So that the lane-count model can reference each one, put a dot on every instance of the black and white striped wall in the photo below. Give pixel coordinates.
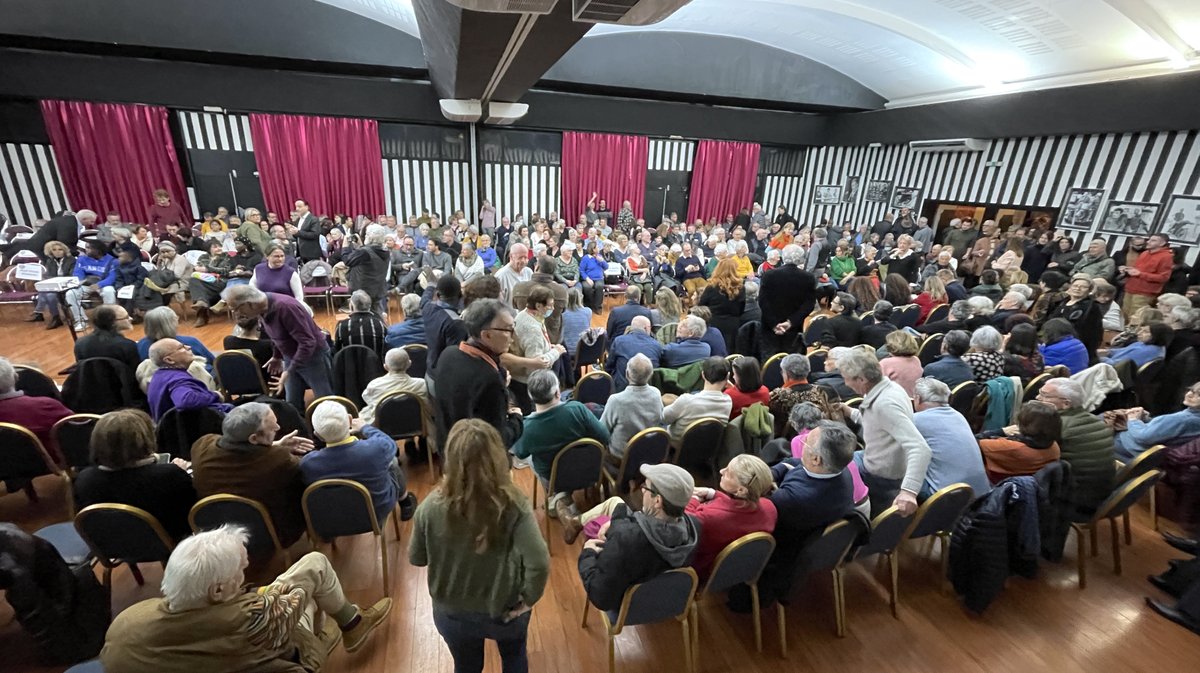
(522, 189)
(216, 131)
(672, 155)
(780, 179)
(30, 186)
(1147, 167)
(441, 186)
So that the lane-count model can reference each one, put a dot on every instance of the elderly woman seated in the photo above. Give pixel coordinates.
(1151, 345)
(985, 358)
(1024, 448)
(206, 621)
(163, 323)
(1136, 431)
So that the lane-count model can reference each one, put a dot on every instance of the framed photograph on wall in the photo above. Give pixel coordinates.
(827, 195)
(1081, 208)
(878, 190)
(851, 189)
(907, 197)
(1181, 220)
(1129, 218)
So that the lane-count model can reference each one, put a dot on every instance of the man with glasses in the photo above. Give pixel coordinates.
(172, 387)
(1087, 444)
(302, 359)
(108, 339)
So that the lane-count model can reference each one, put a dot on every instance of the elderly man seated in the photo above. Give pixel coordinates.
(634, 409)
(1087, 444)
(637, 341)
(396, 380)
(172, 387)
(551, 426)
(359, 452)
(689, 346)
(711, 402)
(37, 414)
(954, 455)
(1140, 431)
(949, 367)
(247, 460)
(206, 621)
(412, 329)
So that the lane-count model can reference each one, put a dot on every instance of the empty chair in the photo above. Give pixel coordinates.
(353, 368)
(351, 407)
(887, 532)
(938, 515)
(1115, 505)
(73, 435)
(336, 508)
(222, 508)
(700, 446)
(906, 316)
(816, 360)
(587, 355)
(179, 429)
(34, 382)
(119, 534)
(576, 466)
(1146, 382)
(826, 552)
(772, 374)
(741, 562)
(665, 334)
(668, 596)
(595, 387)
(238, 374)
(403, 416)
(101, 385)
(648, 447)
(930, 349)
(1150, 459)
(419, 355)
(22, 458)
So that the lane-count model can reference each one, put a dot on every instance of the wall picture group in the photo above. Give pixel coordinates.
(907, 197)
(827, 195)
(1179, 219)
(878, 191)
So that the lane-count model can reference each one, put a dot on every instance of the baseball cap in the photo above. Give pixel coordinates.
(672, 482)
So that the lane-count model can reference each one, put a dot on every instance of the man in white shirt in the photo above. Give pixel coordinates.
(712, 402)
(516, 271)
(396, 380)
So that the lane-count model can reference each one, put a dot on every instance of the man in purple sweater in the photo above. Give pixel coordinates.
(302, 359)
(172, 387)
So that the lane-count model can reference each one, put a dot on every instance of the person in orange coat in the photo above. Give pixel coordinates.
(1146, 278)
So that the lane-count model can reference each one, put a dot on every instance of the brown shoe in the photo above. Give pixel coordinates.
(329, 636)
(369, 619)
(570, 523)
(201, 317)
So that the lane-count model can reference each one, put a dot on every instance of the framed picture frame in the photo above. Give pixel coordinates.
(1129, 218)
(1081, 208)
(907, 197)
(851, 189)
(878, 191)
(1181, 220)
(827, 195)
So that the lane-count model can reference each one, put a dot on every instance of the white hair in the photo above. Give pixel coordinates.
(721, 249)
(397, 360)
(987, 339)
(694, 326)
(200, 562)
(360, 301)
(1069, 389)
(793, 254)
(331, 421)
(981, 305)
(8, 376)
(410, 304)
(376, 234)
(638, 370)
(932, 391)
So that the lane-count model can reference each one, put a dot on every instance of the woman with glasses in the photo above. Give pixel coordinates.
(1136, 431)
(487, 563)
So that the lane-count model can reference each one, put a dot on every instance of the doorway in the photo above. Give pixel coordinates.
(666, 193)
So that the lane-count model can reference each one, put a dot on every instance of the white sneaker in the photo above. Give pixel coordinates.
(81, 327)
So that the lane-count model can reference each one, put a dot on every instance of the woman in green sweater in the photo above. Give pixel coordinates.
(843, 263)
(487, 561)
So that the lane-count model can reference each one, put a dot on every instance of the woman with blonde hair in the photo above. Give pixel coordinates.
(57, 261)
(738, 507)
(487, 563)
(725, 296)
(902, 364)
(667, 307)
(933, 294)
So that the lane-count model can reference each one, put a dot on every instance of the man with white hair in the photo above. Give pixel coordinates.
(786, 296)
(896, 457)
(637, 340)
(411, 330)
(396, 380)
(1087, 444)
(635, 408)
(688, 346)
(516, 271)
(1009, 305)
(369, 267)
(64, 229)
(954, 455)
(363, 327)
(360, 452)
(206, 621)
(37, 414)
(172, 387)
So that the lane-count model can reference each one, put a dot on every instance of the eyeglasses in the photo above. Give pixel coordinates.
(509, 330)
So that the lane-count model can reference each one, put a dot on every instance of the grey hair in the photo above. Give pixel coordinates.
(272, 247)
(360, 301)
(543, 386)
(8, 376)
(251, 211)
(819, 234)
(987, 339)
(773, 253)
(480, 314)
(932, 391)
(720, 249)
(796, 366)
(1170, 300)
(638, 370)
(161, 323)
(410, 304)
(397, 360)
(123, 232)
(837, 445)
(331, 421)
(1184, 317)
(859, 364)
(793, 254)
(882, 310)
(1069, 389)
(695, 327)
(243, 294)
(244, 420)
(205, 559)
(1014, 297)
(805, 416)
(376, 235)
(633, 293)
(751, 291)
(961, 310)
(981, 306)
(159, 350)
(1025, 290)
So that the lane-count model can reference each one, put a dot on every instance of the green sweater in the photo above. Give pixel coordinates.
(461, 580)
(839, 267)
(547, 432)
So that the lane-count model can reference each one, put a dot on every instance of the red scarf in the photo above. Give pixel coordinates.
(479, 354)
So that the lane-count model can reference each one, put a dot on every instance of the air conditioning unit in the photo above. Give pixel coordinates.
(950, 145)
(503, 114)
(625, 12)
(507, 6)
(463, 111)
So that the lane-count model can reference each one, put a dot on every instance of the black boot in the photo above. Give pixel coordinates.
(35, 317)
(1183, 544)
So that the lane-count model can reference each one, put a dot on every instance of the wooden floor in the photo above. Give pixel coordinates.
(1046, 624)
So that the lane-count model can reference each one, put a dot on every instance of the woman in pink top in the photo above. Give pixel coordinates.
(804, 417)
(902, 366)
(739, 508)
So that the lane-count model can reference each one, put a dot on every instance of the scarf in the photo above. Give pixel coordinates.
(479, 352)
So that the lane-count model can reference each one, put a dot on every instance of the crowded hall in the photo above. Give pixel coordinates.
(577, 336)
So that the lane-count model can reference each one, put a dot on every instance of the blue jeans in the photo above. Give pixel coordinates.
(464, 633)
(316, 374)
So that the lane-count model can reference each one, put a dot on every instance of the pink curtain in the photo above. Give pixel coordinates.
(113, 156)
(333, 163)
(723, 177)
(613, 166)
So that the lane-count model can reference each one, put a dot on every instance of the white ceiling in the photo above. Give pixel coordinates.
(921, 51)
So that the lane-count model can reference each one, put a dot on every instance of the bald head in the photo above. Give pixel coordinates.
(170, 354)
(641, 323)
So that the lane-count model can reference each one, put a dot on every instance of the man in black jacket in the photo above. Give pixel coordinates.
(64, 228)
(368, 268)
(638, 546)
(308, 233)
(786, 297)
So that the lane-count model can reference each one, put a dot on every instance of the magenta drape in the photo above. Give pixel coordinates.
(612, 166)
(333, 163)
(112, 157)
(723, 177)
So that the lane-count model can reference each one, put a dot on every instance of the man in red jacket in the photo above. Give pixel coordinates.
(1148, 274)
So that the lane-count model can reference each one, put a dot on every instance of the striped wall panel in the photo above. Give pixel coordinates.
(30, 186)
(1039, 171)
(781, 190)
(441, 186)
(216, 131)
(524, 189)
(672, 155)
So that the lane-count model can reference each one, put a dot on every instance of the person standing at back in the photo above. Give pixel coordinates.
(308, 233)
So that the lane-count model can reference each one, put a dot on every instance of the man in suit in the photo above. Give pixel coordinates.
(623, 315)
(308, 233)
(64, 229)
(786, 297)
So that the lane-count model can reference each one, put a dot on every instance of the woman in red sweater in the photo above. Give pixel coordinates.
(739, 508)
(746, 386)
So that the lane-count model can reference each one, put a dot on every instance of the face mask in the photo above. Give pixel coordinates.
(548, 312)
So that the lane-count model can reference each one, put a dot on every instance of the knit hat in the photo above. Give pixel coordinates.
(672, 482)
(164, 245)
